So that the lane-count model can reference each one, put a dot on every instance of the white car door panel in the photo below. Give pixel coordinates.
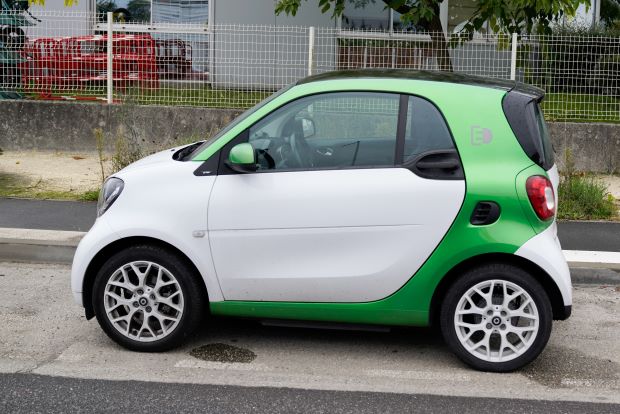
(351, 235)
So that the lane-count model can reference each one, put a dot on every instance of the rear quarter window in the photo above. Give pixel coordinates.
(543, 136)
(528, 124)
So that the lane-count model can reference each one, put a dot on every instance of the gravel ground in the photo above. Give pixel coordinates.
(43, 332)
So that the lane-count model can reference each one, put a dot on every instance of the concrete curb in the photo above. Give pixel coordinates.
(46, 246)
(51, 246)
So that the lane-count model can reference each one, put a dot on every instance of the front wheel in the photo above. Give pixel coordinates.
(147, 299)
(496, 318)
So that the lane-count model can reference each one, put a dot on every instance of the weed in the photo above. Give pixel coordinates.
(100, 141)
(583, 197)
(92, 195)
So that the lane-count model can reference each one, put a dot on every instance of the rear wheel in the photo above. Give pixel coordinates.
(496, 318)
(147, 299)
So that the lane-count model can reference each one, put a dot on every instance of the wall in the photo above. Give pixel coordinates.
(60, 126)
(594, 147)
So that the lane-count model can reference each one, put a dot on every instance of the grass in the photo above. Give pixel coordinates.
(583, 197)
(571, 107)
(12, 185)
(199, 95)
(581, 108)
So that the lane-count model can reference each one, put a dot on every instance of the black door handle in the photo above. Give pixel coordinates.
(448, 164)
(437, 165)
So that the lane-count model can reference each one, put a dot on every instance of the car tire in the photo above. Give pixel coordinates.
(148, 299)
(503, 335)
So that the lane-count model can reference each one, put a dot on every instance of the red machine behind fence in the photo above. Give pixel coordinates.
(73, 63)
(174, 59)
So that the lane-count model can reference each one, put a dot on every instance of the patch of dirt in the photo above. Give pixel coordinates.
(223, 353)
(74, 172)
(560, 367)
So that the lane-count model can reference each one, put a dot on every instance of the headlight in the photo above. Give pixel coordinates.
(110, 191)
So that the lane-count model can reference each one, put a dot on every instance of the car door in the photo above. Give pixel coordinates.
(331, 215)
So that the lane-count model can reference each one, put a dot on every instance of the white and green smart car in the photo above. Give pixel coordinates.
(384, 197)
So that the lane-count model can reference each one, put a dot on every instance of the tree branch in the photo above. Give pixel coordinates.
(399, 6)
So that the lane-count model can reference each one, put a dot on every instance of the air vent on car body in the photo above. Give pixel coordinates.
(485, 212)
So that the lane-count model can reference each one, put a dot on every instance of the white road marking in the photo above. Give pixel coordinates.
(583, 258)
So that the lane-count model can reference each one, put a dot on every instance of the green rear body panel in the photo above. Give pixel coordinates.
(495, 170)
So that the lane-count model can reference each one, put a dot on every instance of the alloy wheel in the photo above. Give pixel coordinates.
(496, 320)
(143, 301)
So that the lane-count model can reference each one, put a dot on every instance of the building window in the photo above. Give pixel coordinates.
(180, 11)
(157, 11)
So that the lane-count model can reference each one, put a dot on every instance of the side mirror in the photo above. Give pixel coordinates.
(242, 158)
(307, 126)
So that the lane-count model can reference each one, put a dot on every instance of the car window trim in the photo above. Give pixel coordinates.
(401, 128)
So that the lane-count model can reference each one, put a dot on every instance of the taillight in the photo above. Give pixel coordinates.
(541, 195)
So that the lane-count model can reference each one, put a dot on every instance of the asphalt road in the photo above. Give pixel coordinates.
(79, 216)
(27, 393)
(47, 214)
(52, 359)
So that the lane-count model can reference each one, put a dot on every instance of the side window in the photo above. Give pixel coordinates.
(426, 129)
(332, 130)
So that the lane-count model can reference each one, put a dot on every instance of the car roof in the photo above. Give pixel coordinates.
(423, 75)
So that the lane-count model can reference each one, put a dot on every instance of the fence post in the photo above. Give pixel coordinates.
(109, 61)
(310, 49)
(513, 58)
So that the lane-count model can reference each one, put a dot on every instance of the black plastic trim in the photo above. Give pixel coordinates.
(401, 129)
(437, 165)
(209, 167)
(491, 211)
(182, 154)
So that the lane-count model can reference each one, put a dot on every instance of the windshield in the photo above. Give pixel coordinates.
(237, 120)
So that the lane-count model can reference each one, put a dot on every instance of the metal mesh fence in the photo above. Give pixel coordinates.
(68, 56)
(580, 75)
